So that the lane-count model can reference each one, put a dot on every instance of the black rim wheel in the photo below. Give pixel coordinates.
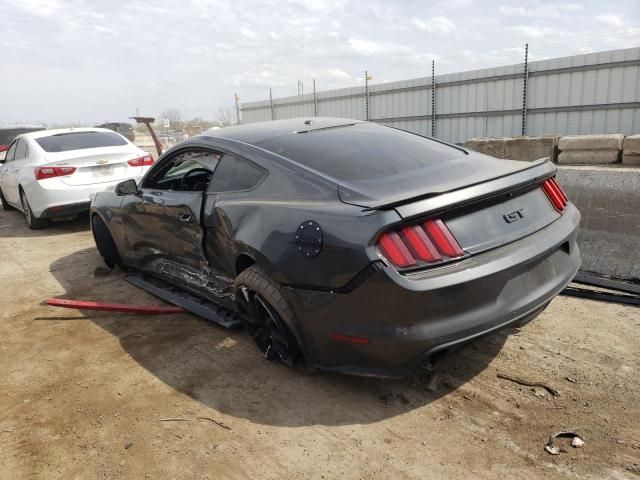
(266, 327)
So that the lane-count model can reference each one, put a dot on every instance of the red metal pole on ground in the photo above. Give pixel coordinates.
(113, 307)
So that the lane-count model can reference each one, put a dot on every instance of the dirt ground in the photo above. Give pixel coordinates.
(98, 395)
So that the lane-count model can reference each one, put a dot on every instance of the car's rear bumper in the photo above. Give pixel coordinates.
(51, 197)
(407, 318)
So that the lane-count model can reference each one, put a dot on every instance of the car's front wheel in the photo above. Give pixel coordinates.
(34, 222)
(267, 314)
(104, 241)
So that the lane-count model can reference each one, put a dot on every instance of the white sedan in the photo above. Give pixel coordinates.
(52, 174)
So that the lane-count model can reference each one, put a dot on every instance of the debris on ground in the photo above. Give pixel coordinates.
(101, 271)
(434, 383)
(576, 441)
(528, 383)
(181, 419)
(220, 424)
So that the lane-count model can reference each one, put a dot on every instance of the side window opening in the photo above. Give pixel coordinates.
(21, 150)
(188, 171)
(11, 152)
(236, 174)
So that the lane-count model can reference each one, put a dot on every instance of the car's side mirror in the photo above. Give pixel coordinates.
(128, 187)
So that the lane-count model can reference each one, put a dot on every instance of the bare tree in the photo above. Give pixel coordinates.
(175, 117)
(224, 117)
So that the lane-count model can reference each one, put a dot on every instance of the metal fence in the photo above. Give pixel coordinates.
(592, 93)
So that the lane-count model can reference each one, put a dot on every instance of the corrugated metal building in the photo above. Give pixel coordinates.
(592, 93)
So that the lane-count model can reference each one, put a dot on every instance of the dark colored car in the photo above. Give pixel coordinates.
(124, 129)
(7, 134)
(346, 245)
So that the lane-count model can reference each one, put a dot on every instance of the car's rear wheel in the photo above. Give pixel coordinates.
(3, 201)
(34, 222)
(104, 241)
(267, 314)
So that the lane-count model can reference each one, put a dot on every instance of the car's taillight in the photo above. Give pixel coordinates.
(4, 148)
(141, 161)
(422, 244)
(50, 172)
(556, 194)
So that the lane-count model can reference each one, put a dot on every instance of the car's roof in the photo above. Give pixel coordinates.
(56, 131)
(254, 133)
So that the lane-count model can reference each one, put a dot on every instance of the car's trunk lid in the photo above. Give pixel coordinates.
(98, 165)
(484, 203)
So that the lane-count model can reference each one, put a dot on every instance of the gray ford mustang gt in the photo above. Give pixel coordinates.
(343, 245)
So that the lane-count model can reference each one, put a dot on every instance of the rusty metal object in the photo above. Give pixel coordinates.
(148, 121)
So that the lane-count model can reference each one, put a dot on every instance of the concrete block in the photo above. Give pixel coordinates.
(592, 157)
(591, 142)
(489, 146)
(632, 145)
(631, 159)
(608, 199)
(532, 148)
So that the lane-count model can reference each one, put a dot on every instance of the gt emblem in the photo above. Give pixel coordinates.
(514, 216)
(102, 162)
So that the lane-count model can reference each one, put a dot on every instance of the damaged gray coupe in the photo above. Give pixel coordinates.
(343, 245)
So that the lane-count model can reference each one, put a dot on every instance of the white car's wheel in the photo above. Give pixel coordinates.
(34, 222)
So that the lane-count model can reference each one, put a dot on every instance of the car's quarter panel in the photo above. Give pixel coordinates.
(267, 231)
(407, 317)
(263, 223)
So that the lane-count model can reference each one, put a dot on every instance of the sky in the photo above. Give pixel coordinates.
(80, 61)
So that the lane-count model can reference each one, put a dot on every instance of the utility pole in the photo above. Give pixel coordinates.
(433, 98)
(315, 99)
(366, 95)
(524, 89)
(237, 104)
(271, 104)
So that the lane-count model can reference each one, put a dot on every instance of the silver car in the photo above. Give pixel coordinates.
(52, 174)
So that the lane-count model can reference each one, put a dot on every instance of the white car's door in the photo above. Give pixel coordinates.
(20, 160)
(7, 173)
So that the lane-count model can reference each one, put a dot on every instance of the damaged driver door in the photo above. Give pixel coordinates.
(170, 238)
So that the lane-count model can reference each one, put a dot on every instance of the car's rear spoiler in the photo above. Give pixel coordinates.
(437, 202)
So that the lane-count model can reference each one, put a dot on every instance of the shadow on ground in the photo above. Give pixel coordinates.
(222, 369)
(13, 224)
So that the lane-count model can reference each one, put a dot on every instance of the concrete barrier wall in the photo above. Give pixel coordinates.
(517, 148)
(590, 149)
(568, 150)
(609, 200)
(631, 150)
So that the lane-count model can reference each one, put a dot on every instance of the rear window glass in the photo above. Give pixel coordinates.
(361, 151)
(63, 142)
(234, 173)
